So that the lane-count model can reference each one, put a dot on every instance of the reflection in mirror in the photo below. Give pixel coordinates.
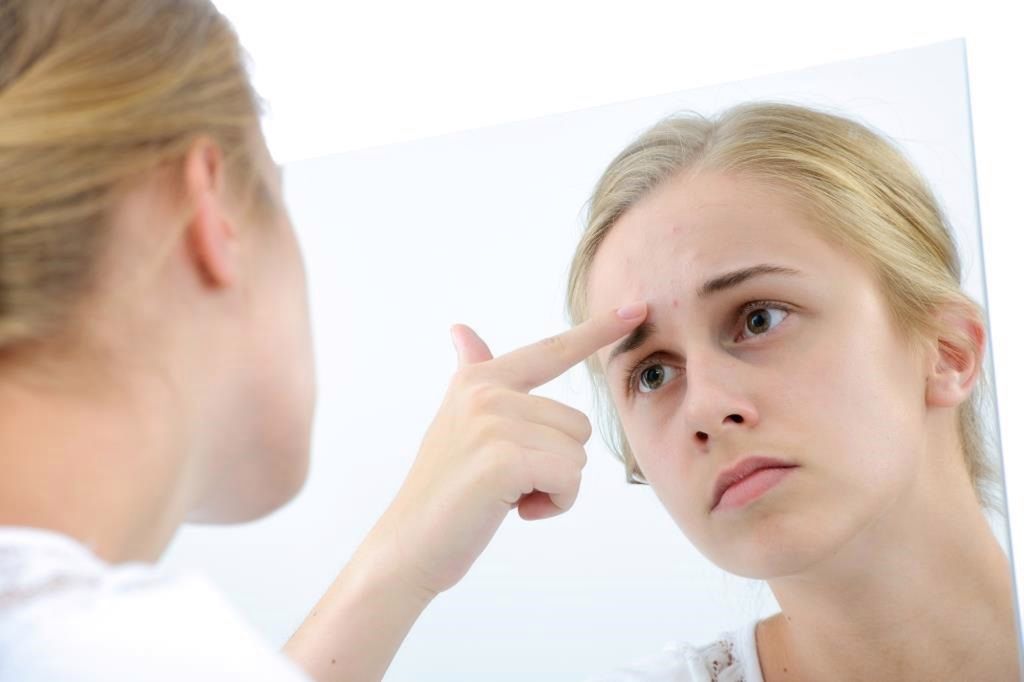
(805, 394)
(876, 539)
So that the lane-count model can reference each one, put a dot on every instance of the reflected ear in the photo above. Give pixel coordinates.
(211, 233)
(957, 359)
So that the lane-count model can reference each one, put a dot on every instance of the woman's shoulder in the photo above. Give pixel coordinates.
(729, 657)
(65, 614)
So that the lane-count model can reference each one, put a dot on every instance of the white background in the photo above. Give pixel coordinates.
(525, 611)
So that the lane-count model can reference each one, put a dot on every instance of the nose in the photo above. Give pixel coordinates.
(716, 399)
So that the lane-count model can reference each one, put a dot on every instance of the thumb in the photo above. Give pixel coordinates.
(470, 348)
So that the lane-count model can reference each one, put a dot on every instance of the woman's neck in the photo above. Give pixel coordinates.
(926, 595)
(98, 468)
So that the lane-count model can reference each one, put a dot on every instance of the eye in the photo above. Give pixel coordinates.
(758, 317)
(652, 376)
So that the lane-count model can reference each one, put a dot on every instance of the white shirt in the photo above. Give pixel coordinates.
(67, 615)
(731, 657)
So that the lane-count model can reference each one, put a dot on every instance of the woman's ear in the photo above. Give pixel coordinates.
(211, 232)
(956, 359)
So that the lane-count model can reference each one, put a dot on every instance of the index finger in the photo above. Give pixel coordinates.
(538, 363)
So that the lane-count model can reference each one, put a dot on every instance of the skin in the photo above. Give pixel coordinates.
(874, 546)
(185, 391)
(163, 419)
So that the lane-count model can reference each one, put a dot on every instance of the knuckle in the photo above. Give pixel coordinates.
(511, 465)
(586, 429)
(498, 463)
(555, 344)
(488, 430)
(502, 454)
(484, 399)
(491, 468)
(574, 422)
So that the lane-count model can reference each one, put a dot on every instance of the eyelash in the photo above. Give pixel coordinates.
(633, 376)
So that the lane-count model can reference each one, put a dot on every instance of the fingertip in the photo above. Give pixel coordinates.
(633, 311)
(471, 348)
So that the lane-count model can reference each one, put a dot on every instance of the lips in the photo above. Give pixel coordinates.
(740, 471)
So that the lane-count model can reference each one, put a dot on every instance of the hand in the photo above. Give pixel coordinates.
(492, 447)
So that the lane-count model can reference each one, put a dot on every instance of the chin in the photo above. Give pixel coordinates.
(259, 491)
(771, 545)
(768, 563)
(278, 492)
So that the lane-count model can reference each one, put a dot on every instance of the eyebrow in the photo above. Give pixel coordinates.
(728, 280)
(637, 338)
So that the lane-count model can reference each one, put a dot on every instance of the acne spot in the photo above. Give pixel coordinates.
(675, 302)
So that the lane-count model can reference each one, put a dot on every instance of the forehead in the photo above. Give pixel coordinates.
(691, 228)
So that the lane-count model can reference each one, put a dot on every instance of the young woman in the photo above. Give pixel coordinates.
(156, 368)
(803, 395)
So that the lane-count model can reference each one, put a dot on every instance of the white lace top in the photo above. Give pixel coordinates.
(731, 657)
(67, 615)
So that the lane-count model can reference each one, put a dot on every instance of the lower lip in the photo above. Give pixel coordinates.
(751, 487)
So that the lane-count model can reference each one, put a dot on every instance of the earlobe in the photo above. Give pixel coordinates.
(957, 361)
(211, 233)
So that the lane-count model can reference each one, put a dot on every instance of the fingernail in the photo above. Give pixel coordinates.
(633, 310)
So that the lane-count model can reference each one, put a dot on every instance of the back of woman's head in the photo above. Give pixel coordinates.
(863, 195)
(96, 94)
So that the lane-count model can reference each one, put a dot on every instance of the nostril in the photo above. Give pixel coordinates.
(736, 418)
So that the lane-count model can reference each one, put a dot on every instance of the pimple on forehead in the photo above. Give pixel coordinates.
(675, 302)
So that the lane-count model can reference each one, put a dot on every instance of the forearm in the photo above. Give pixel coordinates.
(491, 447)
(353, 632)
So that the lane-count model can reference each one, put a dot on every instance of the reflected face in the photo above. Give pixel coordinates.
(763, 339)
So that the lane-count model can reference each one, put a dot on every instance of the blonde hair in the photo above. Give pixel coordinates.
(864, 196)
(94, 94)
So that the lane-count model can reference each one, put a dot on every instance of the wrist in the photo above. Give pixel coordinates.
(379, 566)
(357, 626)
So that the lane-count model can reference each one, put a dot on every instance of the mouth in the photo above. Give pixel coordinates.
(747, 480)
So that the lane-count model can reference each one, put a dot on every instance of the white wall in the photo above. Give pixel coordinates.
(478, 227)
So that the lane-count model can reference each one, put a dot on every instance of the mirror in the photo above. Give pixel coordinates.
(479, 227)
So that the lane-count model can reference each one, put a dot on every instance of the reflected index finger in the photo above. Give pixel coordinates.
(534, 365)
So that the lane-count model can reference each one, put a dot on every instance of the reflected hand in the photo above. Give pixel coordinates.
(492, 447)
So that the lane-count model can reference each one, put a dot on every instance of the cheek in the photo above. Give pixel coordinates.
(284, 337)
(853, 410)
(300, 371)
(657, 440)
(290, 297)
